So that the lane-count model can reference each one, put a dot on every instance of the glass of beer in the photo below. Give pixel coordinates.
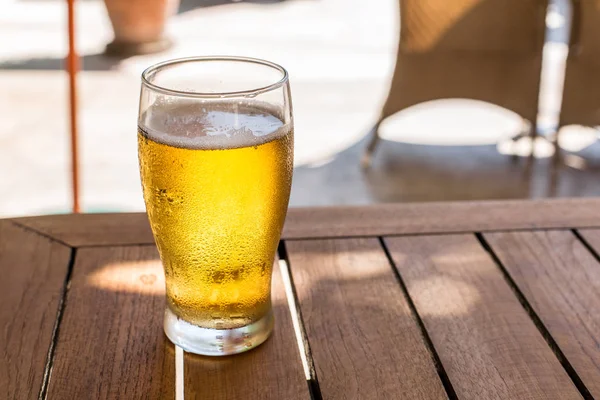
(215, 146)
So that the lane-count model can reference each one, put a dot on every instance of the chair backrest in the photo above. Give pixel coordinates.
(581, 96)
(585, 30)
(472, 25)
(488, 50)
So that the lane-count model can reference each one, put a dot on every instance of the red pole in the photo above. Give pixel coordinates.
(72, 68)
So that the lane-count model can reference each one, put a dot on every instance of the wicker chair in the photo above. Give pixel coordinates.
(489, 50)
(581, 93)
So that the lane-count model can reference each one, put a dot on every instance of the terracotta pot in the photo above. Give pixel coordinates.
(139, 25)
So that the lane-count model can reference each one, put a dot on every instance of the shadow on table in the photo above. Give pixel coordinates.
(188, 5)
(403, 172)
(102, 62)
(92, 62)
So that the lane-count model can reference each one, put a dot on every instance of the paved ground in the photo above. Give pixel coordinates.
(339, 54)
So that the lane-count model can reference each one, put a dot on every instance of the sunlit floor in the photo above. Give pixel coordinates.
(340, 64)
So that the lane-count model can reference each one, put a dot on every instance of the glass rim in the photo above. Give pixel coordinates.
(148, 72)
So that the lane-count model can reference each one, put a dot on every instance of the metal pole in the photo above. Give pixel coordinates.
(72, 68)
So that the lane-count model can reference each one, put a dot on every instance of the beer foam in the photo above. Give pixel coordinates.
(212, 126)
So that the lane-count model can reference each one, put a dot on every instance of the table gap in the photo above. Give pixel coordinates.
(56, 329)
(298, 322)
(586, 244)
(535, 318)
(439, 367)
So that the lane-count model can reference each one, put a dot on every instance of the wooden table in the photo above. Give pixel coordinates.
(489, 300)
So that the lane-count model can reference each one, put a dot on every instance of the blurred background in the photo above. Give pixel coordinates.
(341, 56)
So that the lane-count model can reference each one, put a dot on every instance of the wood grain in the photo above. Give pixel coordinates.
(93, 229)
(489, 346)
(33, 271)
(348, 221)
(449, 217)
(365, 342)
(111, 344)
(271, 371)
(560, 279)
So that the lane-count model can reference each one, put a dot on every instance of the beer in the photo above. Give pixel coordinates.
(216, 179)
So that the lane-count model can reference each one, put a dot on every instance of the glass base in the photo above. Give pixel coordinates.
(216, 342)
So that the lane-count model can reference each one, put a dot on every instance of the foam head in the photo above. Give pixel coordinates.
(211, 125)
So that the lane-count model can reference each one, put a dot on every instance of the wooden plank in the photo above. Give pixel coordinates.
(271, 371)
(111, 342)
(93, 229)
(487, 343)
(33, 270)
(365, 342)
(349, 221)
(560, 279)
(448, 217)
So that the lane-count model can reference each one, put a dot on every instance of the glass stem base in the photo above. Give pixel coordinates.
(216, 342)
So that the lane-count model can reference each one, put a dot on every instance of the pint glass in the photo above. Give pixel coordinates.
(215, 147)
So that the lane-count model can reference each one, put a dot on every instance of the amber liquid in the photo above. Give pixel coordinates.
(217, 216)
